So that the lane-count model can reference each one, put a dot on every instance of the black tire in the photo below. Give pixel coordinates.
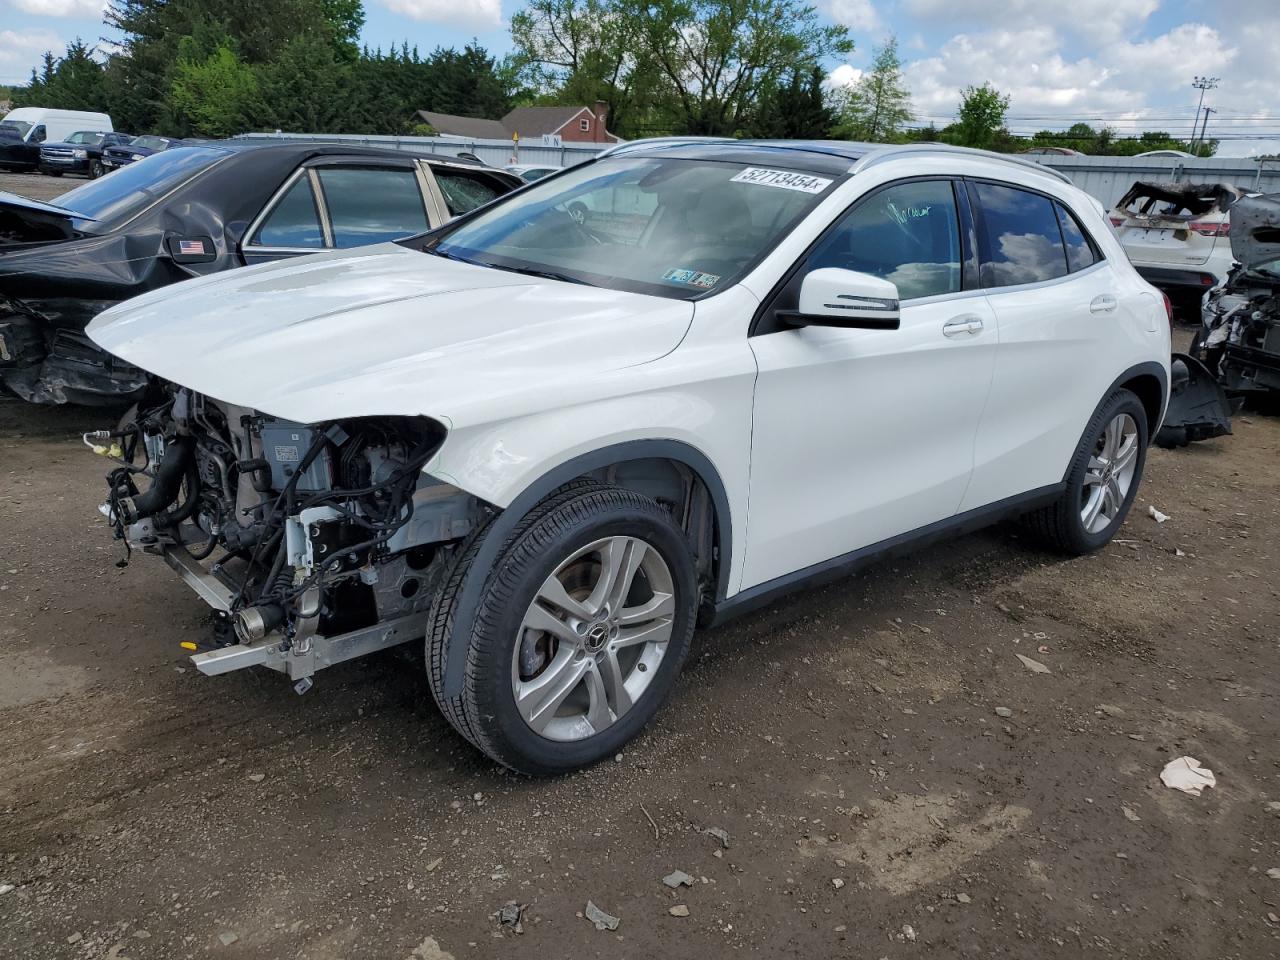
(1060, 525)
(95, 169)
(54, 173)
(485, 713)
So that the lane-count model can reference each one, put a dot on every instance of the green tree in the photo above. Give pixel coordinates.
(797, 109)
(153, 31)
(581, 51)
(879, 106)
(716, 58)
(70, 82)
(981, 116)
(681, 66)
(307, 88)
(216, 95)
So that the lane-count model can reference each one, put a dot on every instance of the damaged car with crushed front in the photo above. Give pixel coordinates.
(527, 440)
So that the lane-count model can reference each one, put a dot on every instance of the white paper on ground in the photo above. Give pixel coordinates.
(1186, 774)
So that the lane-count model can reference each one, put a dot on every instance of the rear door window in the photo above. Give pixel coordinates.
(372, 204)
(295, 221)
(1022, 241)
(1080, 252)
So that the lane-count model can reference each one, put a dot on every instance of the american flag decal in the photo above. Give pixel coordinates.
(190, 248)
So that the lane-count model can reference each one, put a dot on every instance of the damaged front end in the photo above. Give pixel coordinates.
(1241, 338)
(312, 543)
(54, 278)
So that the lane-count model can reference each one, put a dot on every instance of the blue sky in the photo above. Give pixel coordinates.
(1128, 63)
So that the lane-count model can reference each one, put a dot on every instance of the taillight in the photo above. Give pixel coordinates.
(1168, 308)
(1117, 221)
(1211, 228)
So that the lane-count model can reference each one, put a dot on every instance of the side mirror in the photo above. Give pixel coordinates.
(832, 297)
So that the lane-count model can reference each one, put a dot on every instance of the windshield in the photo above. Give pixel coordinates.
(85, 137)
(669, 227)
(151, 143)
(131, 188)
(20, 125)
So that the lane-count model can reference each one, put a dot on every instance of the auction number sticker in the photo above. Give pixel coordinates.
(786, 179)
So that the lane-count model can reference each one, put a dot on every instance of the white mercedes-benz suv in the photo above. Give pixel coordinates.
(653, 390)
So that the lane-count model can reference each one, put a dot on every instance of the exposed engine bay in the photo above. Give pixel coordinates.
(312, 543)
(1241, 339)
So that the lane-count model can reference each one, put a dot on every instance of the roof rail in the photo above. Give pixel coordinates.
(660, 142)
(884, 154)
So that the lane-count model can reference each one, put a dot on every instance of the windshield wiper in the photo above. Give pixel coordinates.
(527, 271)
(544, 274)
(437, 252)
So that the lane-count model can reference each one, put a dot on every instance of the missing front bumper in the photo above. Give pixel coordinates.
(297, 658)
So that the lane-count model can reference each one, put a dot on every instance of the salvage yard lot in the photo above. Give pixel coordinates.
(38, 187)
(845, 734)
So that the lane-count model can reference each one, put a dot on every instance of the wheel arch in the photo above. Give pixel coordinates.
(653, 467)
(1149, 383)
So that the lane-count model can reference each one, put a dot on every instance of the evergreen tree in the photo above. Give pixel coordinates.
(879, 106)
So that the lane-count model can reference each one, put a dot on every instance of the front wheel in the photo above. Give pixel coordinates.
(1102, 481)
(95, 169)
(584, 624)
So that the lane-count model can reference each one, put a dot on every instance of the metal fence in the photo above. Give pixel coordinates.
(1107, 178)
(497, 153)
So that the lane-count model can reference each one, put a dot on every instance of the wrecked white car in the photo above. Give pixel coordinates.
(1175, 235)
(531, 436)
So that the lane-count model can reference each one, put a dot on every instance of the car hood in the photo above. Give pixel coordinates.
(386, 330)
(1255, 231)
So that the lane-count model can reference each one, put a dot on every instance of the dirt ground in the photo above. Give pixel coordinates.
(846, 740)
(38, 186)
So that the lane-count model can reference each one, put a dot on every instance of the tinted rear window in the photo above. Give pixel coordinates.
(1022, 241)
(1080, 252)
(130, 189)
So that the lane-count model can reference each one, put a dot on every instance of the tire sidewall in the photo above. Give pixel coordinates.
(1123, 401)
(495, 699)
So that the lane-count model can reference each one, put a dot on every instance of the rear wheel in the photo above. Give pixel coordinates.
(1102, 481)
(584, 624)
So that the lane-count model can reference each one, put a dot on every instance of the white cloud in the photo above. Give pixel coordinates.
(1025, 64)
(854, 14)
(22, 49)
(845, 75)
(481, 14)
(61, 8)
(1095, 18)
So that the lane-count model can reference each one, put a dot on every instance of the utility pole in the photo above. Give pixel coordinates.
(1202, 84)
(1203, 130)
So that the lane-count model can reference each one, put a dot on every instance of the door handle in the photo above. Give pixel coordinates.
(966, 326)
(1103, 303)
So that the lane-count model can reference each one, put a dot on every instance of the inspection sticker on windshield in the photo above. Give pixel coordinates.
(693, 278)
(786, 179)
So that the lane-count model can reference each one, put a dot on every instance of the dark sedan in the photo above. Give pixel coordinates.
(113, 158)
(188, 212)
(79, 153)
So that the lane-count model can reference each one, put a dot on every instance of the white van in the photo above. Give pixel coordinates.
(24, 129)
(38, 125)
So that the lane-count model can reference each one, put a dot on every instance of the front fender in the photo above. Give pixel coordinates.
(515, 464)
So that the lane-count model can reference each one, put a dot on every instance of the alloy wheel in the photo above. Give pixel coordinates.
(1109, 474)
(592, 639)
